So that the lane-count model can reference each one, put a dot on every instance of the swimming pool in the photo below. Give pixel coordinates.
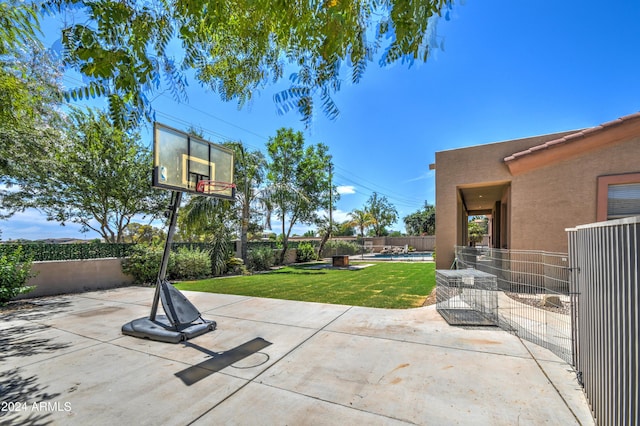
(416, 255)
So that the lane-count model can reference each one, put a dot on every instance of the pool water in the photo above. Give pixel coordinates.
(426, 254)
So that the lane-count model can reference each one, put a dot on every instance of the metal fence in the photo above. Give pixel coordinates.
(534, 301)
(605, 270)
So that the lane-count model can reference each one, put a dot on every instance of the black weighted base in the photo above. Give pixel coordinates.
(161, 329)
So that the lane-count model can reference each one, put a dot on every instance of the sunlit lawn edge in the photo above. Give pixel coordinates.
(382, 285)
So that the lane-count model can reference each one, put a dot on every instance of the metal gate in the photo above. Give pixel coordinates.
(604, 280)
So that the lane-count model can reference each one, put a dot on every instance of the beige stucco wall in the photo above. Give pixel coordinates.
(481, 165)
(550, 199)
(72, 276)
(543, 202)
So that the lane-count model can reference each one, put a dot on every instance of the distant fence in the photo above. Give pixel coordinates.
(418, 243)
(534, 300)
(605, 275)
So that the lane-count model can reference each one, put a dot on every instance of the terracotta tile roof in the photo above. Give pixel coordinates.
(592, 137)
(574, 137)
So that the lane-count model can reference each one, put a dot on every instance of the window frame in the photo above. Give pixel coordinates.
(603, 191)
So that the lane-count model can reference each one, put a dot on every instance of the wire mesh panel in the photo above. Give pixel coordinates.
(534, 300)
(467, 297)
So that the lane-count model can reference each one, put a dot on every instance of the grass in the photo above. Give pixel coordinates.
(383, 285)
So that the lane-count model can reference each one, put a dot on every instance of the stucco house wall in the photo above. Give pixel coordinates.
(548, 200)
(549, 183)
(477, 165)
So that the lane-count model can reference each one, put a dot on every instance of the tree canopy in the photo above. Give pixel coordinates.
(298, 178)
(422, 222)
(30, 95)
(97, 176)
(128, 50)
(384, 214)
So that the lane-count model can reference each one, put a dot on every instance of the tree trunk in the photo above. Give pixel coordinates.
(285, 244)
(324, 240)
(244, 231)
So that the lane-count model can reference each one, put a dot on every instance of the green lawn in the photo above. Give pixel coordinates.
(383, 285)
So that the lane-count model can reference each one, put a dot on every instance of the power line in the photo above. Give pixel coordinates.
(359, 181)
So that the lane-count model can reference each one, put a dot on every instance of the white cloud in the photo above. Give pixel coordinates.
(338, 215)
(424, 176)
(346, 189)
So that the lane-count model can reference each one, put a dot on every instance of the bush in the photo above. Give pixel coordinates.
(333, 248)
(189, 264)
(260, 259)
(235, 266)
(14, 274)
(184, 264)
(305, 253)
(143, 264)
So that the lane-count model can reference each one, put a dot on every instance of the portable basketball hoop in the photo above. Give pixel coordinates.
(213, 186)
(181, 163)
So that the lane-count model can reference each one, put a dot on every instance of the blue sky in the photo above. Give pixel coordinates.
(508, 70)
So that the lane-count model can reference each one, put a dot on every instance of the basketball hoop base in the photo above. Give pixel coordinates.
(161, 329)
(181, 322)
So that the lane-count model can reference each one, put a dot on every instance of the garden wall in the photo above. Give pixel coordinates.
(73, 276)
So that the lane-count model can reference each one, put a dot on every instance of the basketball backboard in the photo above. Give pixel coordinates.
(183, 162)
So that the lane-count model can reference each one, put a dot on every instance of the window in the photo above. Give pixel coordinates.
(623, 200)
(618, 196)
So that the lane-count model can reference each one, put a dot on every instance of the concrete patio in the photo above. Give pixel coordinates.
(65, 361)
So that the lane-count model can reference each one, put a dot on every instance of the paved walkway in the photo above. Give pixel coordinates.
(64, 361)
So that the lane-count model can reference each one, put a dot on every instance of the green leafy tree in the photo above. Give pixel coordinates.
(477, 228)
(384, 214)
(143, 233)
(237, 47)
(30, 98)
(422, 222)
(344, 229)
(299, 183)
(97, 176)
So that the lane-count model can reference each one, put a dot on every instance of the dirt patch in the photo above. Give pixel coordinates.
(17, 306)
(431, 299)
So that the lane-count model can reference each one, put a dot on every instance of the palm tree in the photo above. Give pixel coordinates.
(361, 219)
(211, 217)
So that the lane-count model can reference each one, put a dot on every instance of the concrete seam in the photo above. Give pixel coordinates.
(338, 404)
(269, 367)
(430, 344)
(551, 382)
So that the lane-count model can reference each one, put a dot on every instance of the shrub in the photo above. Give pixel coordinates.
(14, 274)
(340, 248)
(305, 252)
(261, 259)
(143, 264)
(189, 264)
(235, 266)
(184, 264)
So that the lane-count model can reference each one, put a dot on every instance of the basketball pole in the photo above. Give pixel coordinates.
(176, 198)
